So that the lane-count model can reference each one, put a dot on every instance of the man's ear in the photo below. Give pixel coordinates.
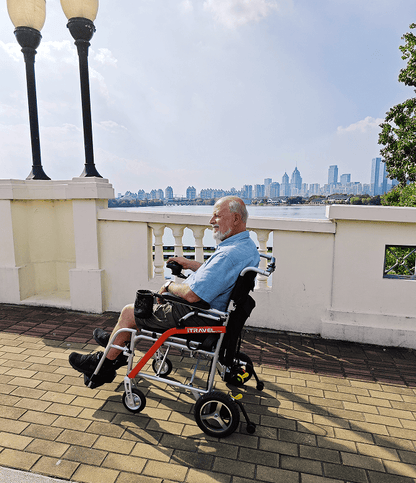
(236, 218)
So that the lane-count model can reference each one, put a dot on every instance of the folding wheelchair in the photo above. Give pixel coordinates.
(216, 413)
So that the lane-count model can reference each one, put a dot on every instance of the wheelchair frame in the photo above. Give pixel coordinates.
(216, 413)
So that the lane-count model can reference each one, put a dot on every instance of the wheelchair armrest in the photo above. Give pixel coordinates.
(179, 300)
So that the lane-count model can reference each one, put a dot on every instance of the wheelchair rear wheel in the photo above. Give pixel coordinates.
(139, 401)
(217, 414)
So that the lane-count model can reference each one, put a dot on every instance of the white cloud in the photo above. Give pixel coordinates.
(105, 56)
(186, 6)
(234, 13)
(12, 50)
(364, 126)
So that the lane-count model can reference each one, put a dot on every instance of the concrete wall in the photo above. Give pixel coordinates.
(61, 246)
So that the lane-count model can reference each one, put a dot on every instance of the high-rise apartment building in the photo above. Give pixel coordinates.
(285, 186)
(190, 193)
(378, 181)
(259, 191)
(169, 193)
(345, 179)
(247, 192)
(267, 183)
(333, 174)
(274, 190)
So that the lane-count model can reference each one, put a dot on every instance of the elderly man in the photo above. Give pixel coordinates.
(211, 282)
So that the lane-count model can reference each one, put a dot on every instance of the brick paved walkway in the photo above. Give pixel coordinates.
(331, 412)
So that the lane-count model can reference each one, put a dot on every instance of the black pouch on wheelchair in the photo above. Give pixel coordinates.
(143, 305)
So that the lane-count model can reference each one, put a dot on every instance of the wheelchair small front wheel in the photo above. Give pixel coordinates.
(165, 368)
(217, 414)
(139, 401)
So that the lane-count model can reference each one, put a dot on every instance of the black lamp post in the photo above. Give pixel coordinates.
(80, 15)
(28, 16)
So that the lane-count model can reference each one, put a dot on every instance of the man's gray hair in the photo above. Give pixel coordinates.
(237, 205)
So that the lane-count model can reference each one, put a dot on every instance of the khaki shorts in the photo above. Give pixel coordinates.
(164, 317)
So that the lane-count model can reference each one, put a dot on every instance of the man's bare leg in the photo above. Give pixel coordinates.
(125, 321)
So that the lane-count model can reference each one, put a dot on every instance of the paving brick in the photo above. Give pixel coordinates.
(319, 454)
(158, 453)
(254, 456)
(233, 467)
(296, 437)
(14, 441)
(71, 423)
(85, 455)
(192, 459)
(41, 431)
(336, 444)
(115, 445)
(77, 437)
(92, 474)
(301, 465)
(165, 470)
(402, 469)
(348, 473)
(361, 461)
(11, 426)
(47, 448)
(276, 475)
(198, 476)
(387, 478)
(13, 459)
(125, 463)
(376, 451)
(318, 479)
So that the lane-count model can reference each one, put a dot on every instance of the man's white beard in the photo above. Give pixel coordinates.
(219, 237)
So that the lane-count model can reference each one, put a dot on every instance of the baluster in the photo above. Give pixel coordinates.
(198, 232)
(262, 237)
(177, 231)
(158, 263)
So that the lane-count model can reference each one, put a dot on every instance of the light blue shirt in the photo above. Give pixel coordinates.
(215, 279)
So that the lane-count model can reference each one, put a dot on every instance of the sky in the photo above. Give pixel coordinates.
(209, 93)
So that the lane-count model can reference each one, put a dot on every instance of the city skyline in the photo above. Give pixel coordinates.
(292, 186)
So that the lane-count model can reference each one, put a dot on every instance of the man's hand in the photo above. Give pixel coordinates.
(186, 263)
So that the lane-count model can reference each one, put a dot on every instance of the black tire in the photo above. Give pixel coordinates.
(139, 401)
(217, 414)
(246, 363)
(166, 369)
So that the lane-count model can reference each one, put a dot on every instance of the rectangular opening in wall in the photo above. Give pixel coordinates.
(399, 262)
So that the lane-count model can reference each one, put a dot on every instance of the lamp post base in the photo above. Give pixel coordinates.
(38, 173)
(90, 171)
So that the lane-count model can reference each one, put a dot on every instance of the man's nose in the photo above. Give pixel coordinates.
(212, 220)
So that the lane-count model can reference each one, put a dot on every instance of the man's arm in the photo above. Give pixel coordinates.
(181, 290)
(186, 263)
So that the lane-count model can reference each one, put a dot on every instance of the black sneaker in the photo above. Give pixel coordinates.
(86, 364)
(102, 337)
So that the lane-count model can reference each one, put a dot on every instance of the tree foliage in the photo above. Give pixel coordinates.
(398, 131)
(400, 196)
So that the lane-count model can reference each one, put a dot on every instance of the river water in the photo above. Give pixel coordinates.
(316, 212)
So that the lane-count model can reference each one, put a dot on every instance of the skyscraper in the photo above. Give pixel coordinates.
(296, 180)
(267, 183)
(285, 186)
(345, 179)
(378, 180)
(333, 174)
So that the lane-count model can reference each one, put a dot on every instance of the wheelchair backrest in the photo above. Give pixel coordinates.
(243, 306)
